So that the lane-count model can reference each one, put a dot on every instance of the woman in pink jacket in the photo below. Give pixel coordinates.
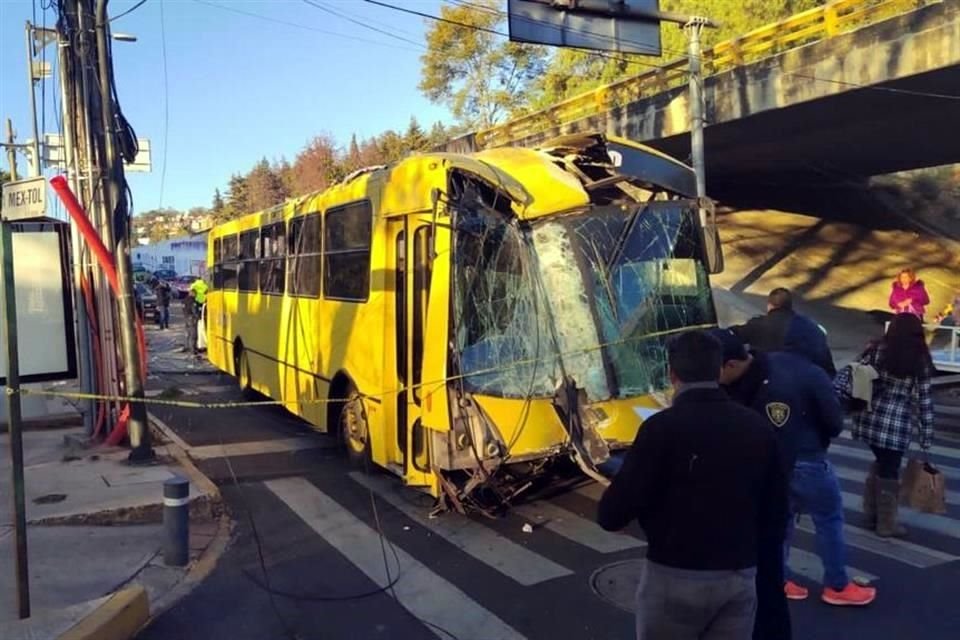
(908, 295)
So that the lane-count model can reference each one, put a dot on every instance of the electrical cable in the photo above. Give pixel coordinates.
(128, 11)
(365, 25)
(304, 27)
(680, 54)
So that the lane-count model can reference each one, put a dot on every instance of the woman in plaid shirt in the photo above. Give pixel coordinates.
(900, 394)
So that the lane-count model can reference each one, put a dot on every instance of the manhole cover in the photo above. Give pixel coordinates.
(617, 583)
(50, 498)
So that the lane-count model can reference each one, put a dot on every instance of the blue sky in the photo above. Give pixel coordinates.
(240, 88)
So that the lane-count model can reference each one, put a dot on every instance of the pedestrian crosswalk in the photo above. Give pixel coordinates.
(520, 560)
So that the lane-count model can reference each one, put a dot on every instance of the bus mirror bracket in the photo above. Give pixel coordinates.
(712, 248)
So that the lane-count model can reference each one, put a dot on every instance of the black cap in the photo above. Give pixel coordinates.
(731, 345)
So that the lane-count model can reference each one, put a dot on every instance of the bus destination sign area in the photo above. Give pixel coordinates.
(24, 199)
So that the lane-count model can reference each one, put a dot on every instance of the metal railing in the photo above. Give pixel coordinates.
(822, 23)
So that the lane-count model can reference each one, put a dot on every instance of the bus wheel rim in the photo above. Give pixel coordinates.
(354, 427)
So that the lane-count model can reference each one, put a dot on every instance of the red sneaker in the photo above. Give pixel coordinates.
(794, 591)
(852, 595)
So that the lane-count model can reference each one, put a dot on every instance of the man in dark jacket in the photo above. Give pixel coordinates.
(705, 482)
(768, 333)
(797, 398)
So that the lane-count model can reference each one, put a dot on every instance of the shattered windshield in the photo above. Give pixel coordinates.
(502, 325)
(593, 294)
(646, 279)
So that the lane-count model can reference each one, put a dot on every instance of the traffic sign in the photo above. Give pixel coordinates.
(24, 199)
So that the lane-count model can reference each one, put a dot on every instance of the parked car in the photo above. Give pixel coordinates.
(146, 302)
(165, 274)
(140, 273)
(181, 286)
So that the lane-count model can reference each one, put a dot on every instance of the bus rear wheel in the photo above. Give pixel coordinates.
(353, 429)
(241, 370)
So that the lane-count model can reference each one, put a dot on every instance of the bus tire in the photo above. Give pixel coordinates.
(241, 370)
(353, 429)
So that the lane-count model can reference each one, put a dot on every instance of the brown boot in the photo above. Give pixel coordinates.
(870, 498)
(888, 500)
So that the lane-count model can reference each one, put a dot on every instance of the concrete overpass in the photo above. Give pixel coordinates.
(852, 89)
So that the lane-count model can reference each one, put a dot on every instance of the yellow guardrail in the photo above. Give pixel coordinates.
(822, 23)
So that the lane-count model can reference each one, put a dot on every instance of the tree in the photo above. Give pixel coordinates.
(392, 146)
(265, 187)
(415, 139)
(217, 202)
(317, 166)
(573, 71)
(353, 159)
(481, 76)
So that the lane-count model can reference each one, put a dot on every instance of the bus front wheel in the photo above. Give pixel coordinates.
(353, 429)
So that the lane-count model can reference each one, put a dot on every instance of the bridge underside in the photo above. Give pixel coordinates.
(835, 139)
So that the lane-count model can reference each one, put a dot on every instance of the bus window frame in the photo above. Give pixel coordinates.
(294, 227)
(231, 260)
(269, 259)
(217, 264)
(367, 250)
(252, 280)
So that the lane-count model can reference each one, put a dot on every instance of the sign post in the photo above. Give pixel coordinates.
(14, 417)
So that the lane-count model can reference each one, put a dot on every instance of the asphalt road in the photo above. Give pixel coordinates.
(313, 538)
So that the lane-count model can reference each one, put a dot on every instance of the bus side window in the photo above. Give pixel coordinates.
(304, 263)
(346, 252)
(218, 263)
(249, 261)
(231, 249)
(273, 252)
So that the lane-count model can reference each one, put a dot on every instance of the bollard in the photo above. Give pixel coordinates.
(176, 521)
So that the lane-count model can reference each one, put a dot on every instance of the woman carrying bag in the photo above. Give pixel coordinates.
(901, 396)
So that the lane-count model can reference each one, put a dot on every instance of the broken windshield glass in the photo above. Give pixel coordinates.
(655, 285)
(593, 295)
(502, 325)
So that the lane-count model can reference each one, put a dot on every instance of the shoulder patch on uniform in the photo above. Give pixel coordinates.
(778, 412)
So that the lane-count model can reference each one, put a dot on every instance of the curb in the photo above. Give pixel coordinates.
(120, 617)
(178, 451)
(199, 570)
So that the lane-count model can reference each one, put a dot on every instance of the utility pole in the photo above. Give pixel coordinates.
(112, 174)
(11, 151)
(693, 27)
(31, 80)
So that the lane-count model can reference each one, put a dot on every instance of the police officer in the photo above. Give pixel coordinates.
(796, 397)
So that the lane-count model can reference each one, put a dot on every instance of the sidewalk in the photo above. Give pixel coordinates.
(94, 529)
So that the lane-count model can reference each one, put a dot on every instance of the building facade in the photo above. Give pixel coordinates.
(187, 255)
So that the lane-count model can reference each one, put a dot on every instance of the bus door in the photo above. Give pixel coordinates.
(413, 271)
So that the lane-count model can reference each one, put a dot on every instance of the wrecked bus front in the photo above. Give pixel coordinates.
(559, 319)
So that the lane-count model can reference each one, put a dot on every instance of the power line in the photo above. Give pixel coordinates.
(304, 27)
(129, 11)
(429, 16)
(344, 16)
(683, 54)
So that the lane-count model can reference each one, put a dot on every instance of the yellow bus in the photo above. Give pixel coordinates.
(464, 320)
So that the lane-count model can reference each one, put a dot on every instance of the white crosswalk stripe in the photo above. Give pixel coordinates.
(573, 527)
(433, 598)
(937, 450)
(514, 561)
(422, 592)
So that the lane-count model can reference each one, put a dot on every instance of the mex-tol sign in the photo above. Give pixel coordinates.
(24, 199)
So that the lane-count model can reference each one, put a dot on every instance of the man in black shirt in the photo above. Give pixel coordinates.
(768, 333)
(705, 482)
